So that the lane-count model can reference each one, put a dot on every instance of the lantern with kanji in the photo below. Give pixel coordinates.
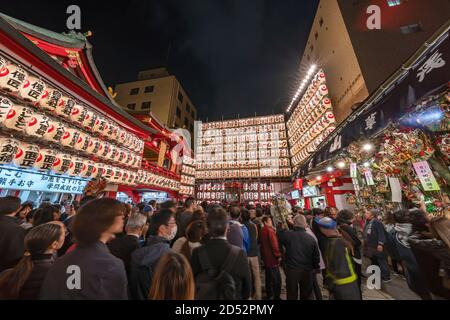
(26, 155)
(32, 89)
(90, 119)
(77, 168)
(18, 117)
(45, 159)
(55, 131)
(78, 114)
(63, 162)
(70, 137)
(91, 170)
(82, 141)
(51, 99)
(38, 125)
(8, 149)
(65, 109)
(12, 77)
(5, 107)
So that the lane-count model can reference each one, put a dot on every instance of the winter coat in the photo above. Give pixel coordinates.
(11, 242)
(302, 251)
(270, 250)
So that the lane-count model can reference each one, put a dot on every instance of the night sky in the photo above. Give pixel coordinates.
(231, 56)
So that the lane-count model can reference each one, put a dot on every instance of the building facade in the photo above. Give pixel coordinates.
(161, 95)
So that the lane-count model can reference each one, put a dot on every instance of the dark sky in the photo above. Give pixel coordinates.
(231, 56)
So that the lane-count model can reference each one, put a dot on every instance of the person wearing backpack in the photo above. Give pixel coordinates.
(221, 270)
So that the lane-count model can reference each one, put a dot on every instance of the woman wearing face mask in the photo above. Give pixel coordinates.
(162, 231)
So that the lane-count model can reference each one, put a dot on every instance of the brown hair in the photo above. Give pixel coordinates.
(94, 218)
(173, 279)
(37, 241)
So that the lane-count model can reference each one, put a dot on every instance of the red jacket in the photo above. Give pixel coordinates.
(270, 252)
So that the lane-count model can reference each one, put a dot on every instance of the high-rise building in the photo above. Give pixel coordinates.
(355, 57)
(159, 94)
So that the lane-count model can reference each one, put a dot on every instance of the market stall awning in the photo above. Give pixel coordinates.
(427, 70)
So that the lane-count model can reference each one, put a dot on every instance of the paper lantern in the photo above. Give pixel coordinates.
(45, 159)
(12, 77)
(77, 168)
(55, 131)
(91, 170)
(84, 168)
(70, 137)
(65, 109)
(93, 145)
(122, 156)
(82, 142)
(125, 176)
(112, 130)
(38, 125)
(8, 149)
(63, 162)
(18, 117)
(51, 99)
(3, 63)
(106, 150)
(32, 89)
(116, 156)
(5, 107)
(108, 173)
(78, 114)
(101, 170)
(90, 119)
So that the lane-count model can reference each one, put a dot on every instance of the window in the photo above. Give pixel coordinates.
(412, 28)
(393, 3)
(180, 96)
(178, 112)
(188, 107)
(134, 91)
(321, 22)
(149, 89)
(146, 105)
(131, 106)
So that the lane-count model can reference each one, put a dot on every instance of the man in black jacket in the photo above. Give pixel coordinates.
(11, 233)
(302, 257)
(374, 240)
(217, 250)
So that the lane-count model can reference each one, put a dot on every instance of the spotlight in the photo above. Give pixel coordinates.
(330, 169)
(319, 178)
(341, 165)
(367, 147)
(366, 164)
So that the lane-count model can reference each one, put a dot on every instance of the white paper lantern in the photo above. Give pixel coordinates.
(26, 155)
(3, 63)
(65, 109)
(38, 125)
(112, 130)
(70, 137)
(12, 77)
(101, 170)
(77, 168)
(108, 173)
(18, 117)
(94, 146)
(51, 99)
(8, 149)
(78, 114)
(91, 170)
(89, 119)
(106, 150)
(82, 142)
(55, 131)
(45, 160)
(63, 162)
(5, 107)
(32, 89)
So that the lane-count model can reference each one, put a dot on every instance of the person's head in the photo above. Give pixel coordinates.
(246, 215)
(98, 220)
(295, 210)
(317, 212)
(345, 217)
(235, 212)
(198, 214)
(44, 239)
(170, 205)
(326, 225)
(189, 204)
(300, 221)
(267, 221)
(9, 206)
(371, 214)
(195, 231)
(136, 223)
(173, 279)
(217, 222)
(163, 224)
(43, 215)
(85, 200)
(128, 209)
(57, 212)
(76, 205)
(204, 205)
(152, 203)
(25, 208)
(259, 212)
(332, 213)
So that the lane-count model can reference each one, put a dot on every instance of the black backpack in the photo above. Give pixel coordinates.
(213, 284)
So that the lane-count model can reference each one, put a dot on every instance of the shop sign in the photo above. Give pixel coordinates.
(369, 178)
(426, 176)
(20, 179)
(353, 170)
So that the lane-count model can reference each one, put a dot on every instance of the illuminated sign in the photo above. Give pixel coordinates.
(20, 179)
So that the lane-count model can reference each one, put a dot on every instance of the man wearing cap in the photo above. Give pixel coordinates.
(374, 240)
(302, 257)
(340, 275)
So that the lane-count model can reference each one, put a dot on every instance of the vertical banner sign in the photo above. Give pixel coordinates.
(369, 178)
(353, 171)
(426, 176)
(298, 184)
(396, 189)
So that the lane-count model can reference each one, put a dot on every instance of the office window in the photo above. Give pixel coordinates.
(188, 107)
(180, 96)
(134, 91)
(146, 105)
(393, 3)
(178, 112)
(412, 28)
(131, 106)
(149, 89)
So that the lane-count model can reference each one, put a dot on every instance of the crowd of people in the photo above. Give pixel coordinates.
(104, 249)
